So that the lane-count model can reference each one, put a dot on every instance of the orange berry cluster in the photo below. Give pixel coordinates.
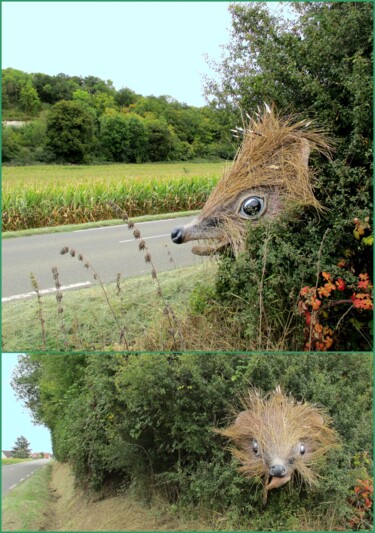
(362, 500)
(319, 337)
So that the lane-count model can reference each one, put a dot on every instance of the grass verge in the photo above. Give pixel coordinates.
(103, 223)
(13, 461)
(87, 324)
(25, 507)
(74, 511)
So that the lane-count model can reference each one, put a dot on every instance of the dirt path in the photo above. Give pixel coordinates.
(71, 511)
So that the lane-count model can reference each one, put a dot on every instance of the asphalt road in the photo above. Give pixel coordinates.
(110, 250)
(14, 474)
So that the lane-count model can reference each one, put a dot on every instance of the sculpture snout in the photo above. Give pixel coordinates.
(177, 235)
(277, 471)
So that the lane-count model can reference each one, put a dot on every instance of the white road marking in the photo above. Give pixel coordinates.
(45, 291)
(146, 238)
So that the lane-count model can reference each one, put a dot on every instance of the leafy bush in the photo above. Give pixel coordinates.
(320, 67)
(145, 421)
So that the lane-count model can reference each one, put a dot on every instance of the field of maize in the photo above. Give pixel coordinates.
(44, 196)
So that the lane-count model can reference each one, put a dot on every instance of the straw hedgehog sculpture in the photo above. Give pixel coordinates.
(269, 173)
(277, 438)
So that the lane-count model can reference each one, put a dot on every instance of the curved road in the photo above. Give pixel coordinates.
(12, 475)
(110, 250)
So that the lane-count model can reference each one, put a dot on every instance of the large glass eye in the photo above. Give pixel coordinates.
(252, 207)
(255, 447)
(302, 449)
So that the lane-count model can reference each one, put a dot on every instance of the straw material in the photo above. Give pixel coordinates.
(273, 162)
(279, 425)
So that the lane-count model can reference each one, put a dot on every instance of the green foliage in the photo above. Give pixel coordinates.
(124, 137)
(29, 99)
(261, 287)
(319, 66)
(70, 131)
(145, 420)
(13, 81)
(153, 128)
(161, 140)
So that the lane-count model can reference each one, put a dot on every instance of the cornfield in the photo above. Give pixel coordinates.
(36, 197)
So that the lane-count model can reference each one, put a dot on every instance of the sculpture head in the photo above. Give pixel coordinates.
(269, 173)
(276, 438)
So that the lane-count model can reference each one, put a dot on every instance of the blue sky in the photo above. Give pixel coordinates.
(15, 419)
(151, 47)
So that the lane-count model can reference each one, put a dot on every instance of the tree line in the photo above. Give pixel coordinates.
(72, 119)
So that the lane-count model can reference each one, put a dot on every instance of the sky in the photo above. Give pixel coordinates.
(15, 418)
(154, 48)
(151, 47)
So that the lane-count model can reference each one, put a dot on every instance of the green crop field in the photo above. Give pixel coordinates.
(50, 195)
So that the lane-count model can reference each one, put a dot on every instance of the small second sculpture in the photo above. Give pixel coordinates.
(277, 438)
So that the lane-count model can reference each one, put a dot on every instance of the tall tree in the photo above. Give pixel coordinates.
(319, 64)
(21, 448)
(70, 131)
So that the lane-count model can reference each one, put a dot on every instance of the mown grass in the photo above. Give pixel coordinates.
(87, 323)
(51, 195)
(24, 507)
(13, 461)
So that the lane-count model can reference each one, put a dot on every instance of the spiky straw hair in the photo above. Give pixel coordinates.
(270, 168)
(274, 153)
(279, 424)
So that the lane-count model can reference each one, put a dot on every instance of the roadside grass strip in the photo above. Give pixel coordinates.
(93, 225)
(25, 507)
(87, 323)
(13, 461)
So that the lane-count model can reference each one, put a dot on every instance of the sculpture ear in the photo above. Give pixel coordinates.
(241, 419)
(316, 420)
(305, 152)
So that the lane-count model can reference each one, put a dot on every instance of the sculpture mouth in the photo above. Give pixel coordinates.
(211, 248)
(277, 482)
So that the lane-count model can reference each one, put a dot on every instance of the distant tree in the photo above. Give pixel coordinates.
(138, 137)
(114, 136)
(93, 84)
(29, 99)
(161, 142)
(11, 144)
(21, 448)
(125, 97)
(70, 131)
(80, 95)
(102, 101)
(13, 81)
(124, 138)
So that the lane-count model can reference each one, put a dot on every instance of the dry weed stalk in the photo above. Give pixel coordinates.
(59, 297)
(122, 340)
(168, 312)
(35, 286)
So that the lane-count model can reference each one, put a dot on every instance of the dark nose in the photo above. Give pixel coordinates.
(277, 471)
(177, 235)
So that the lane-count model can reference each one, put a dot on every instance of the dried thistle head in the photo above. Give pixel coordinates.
(275, 438)
(269, 173)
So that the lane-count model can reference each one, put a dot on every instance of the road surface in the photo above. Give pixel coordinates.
(12, 475)
(110, 250)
